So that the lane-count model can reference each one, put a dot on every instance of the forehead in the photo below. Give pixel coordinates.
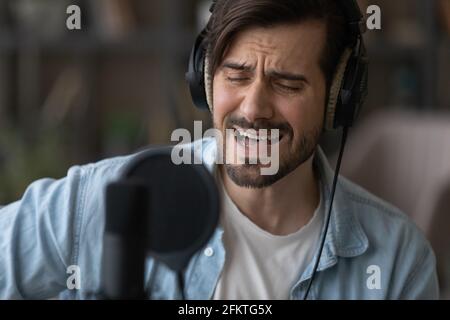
(282, 44)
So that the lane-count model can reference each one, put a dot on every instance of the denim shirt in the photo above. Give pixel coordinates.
(372, 250)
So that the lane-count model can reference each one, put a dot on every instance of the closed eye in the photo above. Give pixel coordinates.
(237, 79)
(289, 88)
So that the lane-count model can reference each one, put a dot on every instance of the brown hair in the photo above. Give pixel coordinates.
(232, 16)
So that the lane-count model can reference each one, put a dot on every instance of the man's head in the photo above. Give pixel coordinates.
(272, 62)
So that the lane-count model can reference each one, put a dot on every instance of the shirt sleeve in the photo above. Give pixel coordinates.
(39, 237)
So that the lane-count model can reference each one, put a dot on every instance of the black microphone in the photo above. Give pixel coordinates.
(157, 208)
(124, 249)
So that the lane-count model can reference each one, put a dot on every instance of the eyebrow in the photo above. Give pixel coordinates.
(237, 66)
(272, 73)
(287, 76)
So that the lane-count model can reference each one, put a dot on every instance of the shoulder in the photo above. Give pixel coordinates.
(379, 218)
(107, 168)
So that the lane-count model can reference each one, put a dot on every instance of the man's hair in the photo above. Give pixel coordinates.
(233, 16)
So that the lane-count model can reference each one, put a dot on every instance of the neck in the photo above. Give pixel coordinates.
(283, 207)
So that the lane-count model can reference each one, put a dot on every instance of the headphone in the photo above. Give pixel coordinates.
(348, 89)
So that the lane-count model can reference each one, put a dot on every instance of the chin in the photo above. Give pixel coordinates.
(249, 176)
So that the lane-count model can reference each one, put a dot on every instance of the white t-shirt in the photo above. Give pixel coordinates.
(258, 264)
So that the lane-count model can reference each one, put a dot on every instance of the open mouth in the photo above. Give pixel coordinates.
(252, 136)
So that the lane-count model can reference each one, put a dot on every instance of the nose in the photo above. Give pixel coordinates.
(257, 104)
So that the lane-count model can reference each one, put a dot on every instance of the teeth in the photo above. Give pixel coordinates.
(251, 134)
(255, 135)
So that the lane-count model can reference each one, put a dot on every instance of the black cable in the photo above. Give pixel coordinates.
(327, 222)
(180, 280)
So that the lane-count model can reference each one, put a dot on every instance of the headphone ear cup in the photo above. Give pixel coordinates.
(195, 74)
(348, 90)
(335, 91)
(353, 91)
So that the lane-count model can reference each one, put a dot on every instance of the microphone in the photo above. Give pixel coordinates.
(123, 256)
(160, 209)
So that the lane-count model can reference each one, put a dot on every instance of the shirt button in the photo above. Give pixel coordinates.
(209, 252)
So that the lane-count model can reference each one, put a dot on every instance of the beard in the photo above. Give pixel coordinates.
(292, 153)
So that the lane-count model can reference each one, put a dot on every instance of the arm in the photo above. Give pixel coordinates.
(39, 238)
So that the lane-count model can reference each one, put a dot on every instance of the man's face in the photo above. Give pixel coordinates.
(270, 78)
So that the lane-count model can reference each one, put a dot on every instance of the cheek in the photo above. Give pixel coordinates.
(224, 102)
(304, 114)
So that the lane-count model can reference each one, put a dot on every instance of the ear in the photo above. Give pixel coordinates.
(336, 85)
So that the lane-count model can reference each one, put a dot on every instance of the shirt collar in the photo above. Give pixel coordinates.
(345, 236)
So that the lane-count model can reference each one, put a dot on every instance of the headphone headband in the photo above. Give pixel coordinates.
(354, 17)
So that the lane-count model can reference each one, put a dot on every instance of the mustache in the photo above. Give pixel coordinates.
(284, 127)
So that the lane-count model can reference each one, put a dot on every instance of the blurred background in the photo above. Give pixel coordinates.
(117, 85)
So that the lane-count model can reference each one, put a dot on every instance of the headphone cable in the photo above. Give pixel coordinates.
(327, 222)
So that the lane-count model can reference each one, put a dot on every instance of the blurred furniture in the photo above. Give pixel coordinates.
(404, 158)
(440, 239)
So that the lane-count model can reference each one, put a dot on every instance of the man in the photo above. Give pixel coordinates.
(271, 65)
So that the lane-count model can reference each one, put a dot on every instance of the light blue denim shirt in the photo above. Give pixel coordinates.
(372, 250)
